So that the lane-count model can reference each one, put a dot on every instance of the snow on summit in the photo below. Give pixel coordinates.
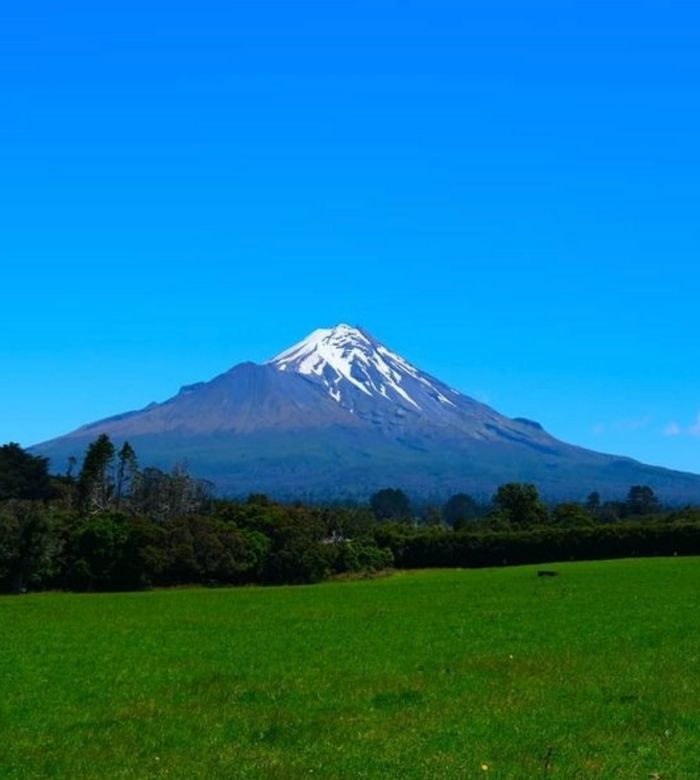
(348, 360)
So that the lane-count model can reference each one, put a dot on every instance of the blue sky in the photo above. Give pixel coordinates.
(504, 192)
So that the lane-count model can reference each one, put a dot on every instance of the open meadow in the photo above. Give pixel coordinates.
(430, 674)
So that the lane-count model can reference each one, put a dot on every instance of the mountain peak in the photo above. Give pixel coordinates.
(347, 360)
(341, 338)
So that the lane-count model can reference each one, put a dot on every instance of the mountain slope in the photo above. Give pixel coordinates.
(339, 414)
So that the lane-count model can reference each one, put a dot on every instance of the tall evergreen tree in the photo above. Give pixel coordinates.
(22, 475)
(641, 500)
(96, 480)
(127, 471)
(593, 503)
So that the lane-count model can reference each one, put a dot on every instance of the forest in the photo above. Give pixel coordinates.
(112, 525)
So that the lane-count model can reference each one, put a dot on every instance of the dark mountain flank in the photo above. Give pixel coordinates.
(340, 415)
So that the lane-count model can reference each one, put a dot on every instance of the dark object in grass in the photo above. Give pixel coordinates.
(547, 573)
(548, 759)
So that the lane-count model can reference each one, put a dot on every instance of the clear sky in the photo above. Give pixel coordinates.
(504, 192)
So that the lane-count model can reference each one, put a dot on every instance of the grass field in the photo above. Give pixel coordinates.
(440, 674)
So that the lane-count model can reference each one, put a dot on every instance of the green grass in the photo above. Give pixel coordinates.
(595, 673)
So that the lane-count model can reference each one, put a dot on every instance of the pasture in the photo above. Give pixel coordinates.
(493, 673)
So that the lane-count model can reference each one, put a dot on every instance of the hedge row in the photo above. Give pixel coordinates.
(429, 549)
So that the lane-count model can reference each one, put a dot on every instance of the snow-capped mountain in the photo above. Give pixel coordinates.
(346, 360)
(340, 414)
(377, 386)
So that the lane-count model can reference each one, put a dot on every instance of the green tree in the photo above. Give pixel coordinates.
(298, 551)
(352, 522)
(127, 472)
(571, 515)
(362, 555)
(519, 504)
(142, 554)
(95, 549)
(391, 504)
(96, 480)
(641, 500)
(29, 544)
(112, 550)
(593, 503)
(459, 510)
(22, 475)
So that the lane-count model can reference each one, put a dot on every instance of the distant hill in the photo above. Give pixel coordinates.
(339, 415)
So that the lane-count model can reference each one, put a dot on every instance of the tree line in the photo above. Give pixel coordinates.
(514, 505)
(114, 525)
